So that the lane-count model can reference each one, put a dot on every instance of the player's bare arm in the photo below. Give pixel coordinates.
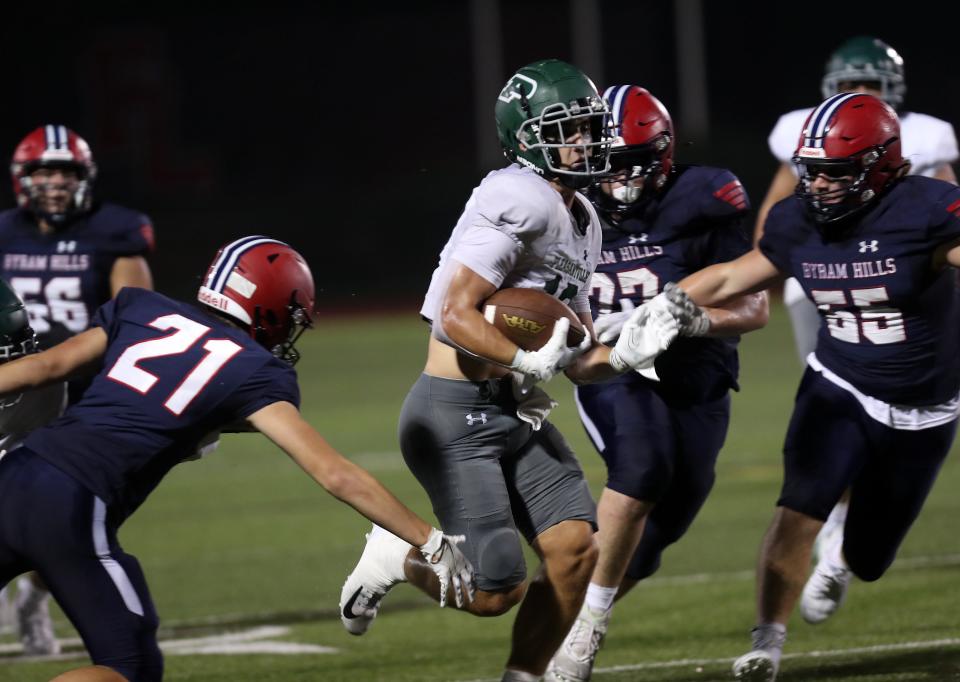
(750, 273)
(742, 314)
(74, 357)
(281, 423)
(945, 172)
(784, 180)
(130, 271)
(947, 254)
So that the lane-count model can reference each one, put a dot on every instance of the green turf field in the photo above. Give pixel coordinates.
(245, 555)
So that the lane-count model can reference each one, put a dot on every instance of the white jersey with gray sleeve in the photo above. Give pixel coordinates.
(516, 231)
(927, 142)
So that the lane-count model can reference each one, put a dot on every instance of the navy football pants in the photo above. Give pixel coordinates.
(833, 444)
(656, 452)
(52, 524)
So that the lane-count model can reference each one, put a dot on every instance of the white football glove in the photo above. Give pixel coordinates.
(692, 320)
(541, 365)
(451, 566)
(607, 327)
(649, 331)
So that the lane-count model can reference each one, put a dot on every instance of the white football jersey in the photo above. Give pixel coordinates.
(927, 142)
(516, 231)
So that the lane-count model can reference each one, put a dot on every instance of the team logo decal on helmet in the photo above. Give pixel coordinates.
(53, 146)
(641, 155)
(267, 287)
(852, 141)
(550, 118)
(866, 60)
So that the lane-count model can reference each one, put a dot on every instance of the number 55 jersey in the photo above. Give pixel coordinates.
(64, 276)
(889, 314)
(171, 374)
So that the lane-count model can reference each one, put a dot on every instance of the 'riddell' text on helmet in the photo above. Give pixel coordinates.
(852, 142)
(267, 287)
(53, 146)
(549, 109)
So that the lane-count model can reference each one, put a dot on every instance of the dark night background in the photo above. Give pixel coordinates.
(350, 130)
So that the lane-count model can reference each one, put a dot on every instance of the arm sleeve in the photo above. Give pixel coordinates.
(945, 218)
(776, 241)
(490, 253)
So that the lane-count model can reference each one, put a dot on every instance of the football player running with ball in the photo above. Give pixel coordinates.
(167, 374)
(65, 254)
(472, 429)
(877, 407)
(660, 439)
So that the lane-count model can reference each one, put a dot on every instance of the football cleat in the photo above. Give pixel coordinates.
(33, 616)
(573, 661)
(761, 663)
(379, 569)
(824, 592)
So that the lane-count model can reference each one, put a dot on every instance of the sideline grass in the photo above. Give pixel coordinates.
(243, 537)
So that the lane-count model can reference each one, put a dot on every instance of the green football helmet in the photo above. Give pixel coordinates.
(549, 106)
(866, 60)
(16, 334)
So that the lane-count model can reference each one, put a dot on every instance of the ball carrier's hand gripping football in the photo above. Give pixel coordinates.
(543, 364)
(451, 566)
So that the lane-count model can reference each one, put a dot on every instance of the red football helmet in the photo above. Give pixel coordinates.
(266, 286)
(643, 141)
(53, 146)
(853, 140)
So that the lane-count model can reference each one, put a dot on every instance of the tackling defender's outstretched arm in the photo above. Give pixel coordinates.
(130, 271)
(78, 355)
(750, 273)
(281, 423)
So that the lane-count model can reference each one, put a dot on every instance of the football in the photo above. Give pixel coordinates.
(527, 316)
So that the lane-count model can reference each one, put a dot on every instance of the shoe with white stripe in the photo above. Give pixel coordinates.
(573, 661)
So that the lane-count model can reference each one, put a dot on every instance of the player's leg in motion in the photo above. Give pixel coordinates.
(67, 536)
(660, 463)
(33, 617)
(885, 500)
(452, 434)
(806, 323)
(826, 447)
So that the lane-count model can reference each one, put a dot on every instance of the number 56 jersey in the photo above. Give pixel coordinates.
(63, 277)
(171, 374)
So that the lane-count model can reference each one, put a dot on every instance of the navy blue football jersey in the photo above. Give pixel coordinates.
(888, 321)
(63, 277)
(694, 222)
(172, 373)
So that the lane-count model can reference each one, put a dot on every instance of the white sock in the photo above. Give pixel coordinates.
(838, 515)
(600, 598)
(770, 637)
(395, 569)
(518, 676)
(29, 596)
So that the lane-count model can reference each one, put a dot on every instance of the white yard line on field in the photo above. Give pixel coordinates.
(835, 653)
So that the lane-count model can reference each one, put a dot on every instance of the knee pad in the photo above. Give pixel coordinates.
(500, 557)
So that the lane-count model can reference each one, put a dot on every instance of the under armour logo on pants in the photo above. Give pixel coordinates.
(480, 419)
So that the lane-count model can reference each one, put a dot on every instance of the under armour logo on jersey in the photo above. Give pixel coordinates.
(479, 419)
(66, 247)
(871, 246)
(642, 237)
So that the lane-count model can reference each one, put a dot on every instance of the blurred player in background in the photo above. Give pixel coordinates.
(166, 375)
(494, 468)
(65, 254)
(877, 407)
(660, 439)
(868, 65)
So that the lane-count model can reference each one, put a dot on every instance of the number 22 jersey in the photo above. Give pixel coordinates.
(171, 374)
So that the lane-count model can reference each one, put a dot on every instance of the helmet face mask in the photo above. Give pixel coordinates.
(53, 174)
(550, 118)
(848, 156)
(868, 62)
(17, 337)
(264, 286)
